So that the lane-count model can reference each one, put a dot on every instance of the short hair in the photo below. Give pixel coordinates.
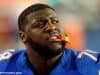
(33, 8)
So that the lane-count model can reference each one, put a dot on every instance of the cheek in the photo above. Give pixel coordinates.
(38, 35)
(35, 33)
(61, 30)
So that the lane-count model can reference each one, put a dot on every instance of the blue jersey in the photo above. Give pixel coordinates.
(14, 62)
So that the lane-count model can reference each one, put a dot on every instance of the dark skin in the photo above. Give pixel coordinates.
(40, 37)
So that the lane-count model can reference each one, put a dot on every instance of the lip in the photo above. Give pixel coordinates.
(54, 37)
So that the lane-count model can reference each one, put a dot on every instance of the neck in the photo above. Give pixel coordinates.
(40, 64)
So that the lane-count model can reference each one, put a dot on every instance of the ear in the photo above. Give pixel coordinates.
(23, 36)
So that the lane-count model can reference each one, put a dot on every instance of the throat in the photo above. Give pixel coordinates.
(40, 69)
(41, 66)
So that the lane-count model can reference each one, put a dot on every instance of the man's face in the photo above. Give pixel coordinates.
(43, 28)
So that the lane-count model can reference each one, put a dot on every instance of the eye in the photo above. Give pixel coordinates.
(54, 21)
(41, 23)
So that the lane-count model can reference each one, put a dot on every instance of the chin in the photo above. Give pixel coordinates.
(49, 51)
(57, 46)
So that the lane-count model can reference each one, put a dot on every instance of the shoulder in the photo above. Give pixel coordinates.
(8, 54)
(9, 58)
(89, 55)
(85, 54)
(72, 53)
(86, 61)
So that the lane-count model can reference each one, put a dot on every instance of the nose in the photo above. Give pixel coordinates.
(50, 26)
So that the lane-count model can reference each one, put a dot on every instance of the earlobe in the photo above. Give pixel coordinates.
(23, 36)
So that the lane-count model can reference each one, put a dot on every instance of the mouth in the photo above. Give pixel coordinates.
(55, 38)
(58, 38)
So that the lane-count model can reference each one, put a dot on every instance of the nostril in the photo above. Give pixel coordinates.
(50, 28)
(47, 30)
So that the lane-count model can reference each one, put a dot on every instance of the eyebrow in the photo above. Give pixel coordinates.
(43, 18)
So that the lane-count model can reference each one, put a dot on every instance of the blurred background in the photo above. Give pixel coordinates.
(80, 19)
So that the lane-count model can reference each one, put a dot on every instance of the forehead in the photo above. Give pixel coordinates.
(44, 13)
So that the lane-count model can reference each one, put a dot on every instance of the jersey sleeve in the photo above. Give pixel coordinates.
(5, 56)
(88, 62)
(94, 56)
